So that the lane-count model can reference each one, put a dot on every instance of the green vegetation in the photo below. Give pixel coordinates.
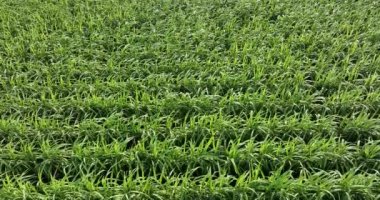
(189, 99)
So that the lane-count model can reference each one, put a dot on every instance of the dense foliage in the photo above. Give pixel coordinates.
(189, 99)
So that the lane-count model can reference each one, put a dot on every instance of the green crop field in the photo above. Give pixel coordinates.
(189, 99)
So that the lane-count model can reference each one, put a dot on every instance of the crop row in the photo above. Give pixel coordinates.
(147, 155)
(321, 185)
(246, 126)
(321, 167)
